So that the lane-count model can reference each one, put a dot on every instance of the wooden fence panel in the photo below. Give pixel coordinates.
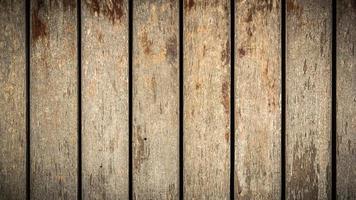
(155, 99)
(308, 103)
(105, 99)
(346, 99)
(206, 99)
(12, 100)
(258, 100)
(54, 98)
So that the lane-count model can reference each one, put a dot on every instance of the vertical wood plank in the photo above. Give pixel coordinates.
(308, 103)
(54, 98)
(105, 99)
(258, 107)
(206, 99)
(12, 100)
(155, 99)
(346, 99)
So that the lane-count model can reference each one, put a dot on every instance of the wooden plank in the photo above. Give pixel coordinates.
(308, 103)
(105, 99)
(206, 99)
(54, 99)
(258, 100)
(346, 99)
(155, 99)
(12, 100)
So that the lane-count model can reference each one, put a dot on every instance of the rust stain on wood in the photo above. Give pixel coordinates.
(171, 47)
(189, 4)
(112, 9)
(39, 28)
(146, 43)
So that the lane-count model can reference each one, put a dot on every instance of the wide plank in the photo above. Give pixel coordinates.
(54, 99)
(346, 99)
(155, 99)
(12, 100)
(206, 99)
(308, 103)
(258, 99)
(105, 99)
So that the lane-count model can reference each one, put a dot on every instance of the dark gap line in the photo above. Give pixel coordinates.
(333, 102)
(181, 100)
(232, 99)
(79, 54)
(130, 31)
(28, 108)
(283, 99)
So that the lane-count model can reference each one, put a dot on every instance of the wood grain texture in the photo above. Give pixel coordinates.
(105, 99)
(54, 98)
(308, 103)
(346, 99)
(12, 100)
(258, 100)
(206, 99)
(155, 99)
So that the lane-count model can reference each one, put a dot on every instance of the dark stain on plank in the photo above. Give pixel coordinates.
(242, 52)
(111, 9)
(141, 151)
(171, 47)
(293, 6)
(189, 4)
(225, 54)
(146, 43)
(67, 4)
(39, 28)
(225, 90)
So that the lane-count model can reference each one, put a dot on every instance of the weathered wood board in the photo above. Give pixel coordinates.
(54, 99)
(206, 99)
(258, 99)
(105, 99)
(346, 99)
(308, 103)
(155, 99)
(12, 100)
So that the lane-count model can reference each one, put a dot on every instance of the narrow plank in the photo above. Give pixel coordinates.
(258, 100)
(12, 100)
(346, 99)
(53, 99)
(155, 99)
(105, 99)
(308, 103)
(206, 99)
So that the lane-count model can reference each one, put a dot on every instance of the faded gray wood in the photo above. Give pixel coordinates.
(105, 99)
(206, 99)
(258, 100)
(346, 99)
(12, 100)
(155, 99)
(54, 99)
(308, 92)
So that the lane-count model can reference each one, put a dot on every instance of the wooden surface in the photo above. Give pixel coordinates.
(12, 100)
(155, 99)
(346, 99)
(53, 100)
(206, 99)
(258, 100)
(308, 103)
(105, 99)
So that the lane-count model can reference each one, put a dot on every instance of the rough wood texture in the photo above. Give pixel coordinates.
(308, 92)
(206, 99)
(155, 99)
(258, 107)
(346, 99)
(105, 99)
(53, 99)
(12, 100)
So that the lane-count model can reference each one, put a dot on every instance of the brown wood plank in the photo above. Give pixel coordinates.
(155, 99)
(54, 111)
(346, 99)
(258, 100)
(12, 100)
(206, 99)
(105, 99)
(308, 103)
